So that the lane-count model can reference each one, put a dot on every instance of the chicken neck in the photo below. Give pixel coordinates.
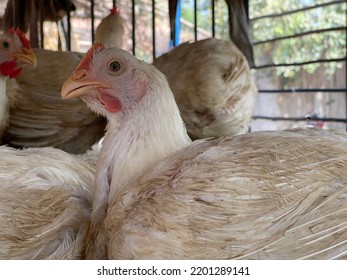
(134, 143)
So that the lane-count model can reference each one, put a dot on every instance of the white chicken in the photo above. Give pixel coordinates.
(45, 194)
(45, 203)
(157, 195)
(41, 118)
(213, 87)
(15, 51)
(110, 31)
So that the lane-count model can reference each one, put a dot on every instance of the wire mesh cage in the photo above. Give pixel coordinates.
(299, 46)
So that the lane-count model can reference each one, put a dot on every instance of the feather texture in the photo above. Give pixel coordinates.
(213, 87)
(261, 195)
(45, 203)
(41, 118)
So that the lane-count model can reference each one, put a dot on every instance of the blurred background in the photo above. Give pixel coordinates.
(298, 47)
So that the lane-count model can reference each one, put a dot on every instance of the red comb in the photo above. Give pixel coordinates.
(21, 36)
(114, 10)
(84, 63)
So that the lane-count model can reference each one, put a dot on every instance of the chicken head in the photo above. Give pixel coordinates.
(106, 81)
(15, 50)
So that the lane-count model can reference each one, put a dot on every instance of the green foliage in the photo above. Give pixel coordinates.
(204, 15)
(323, 45)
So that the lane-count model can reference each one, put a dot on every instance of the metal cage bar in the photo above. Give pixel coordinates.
(68, 37)
(92, 17)
(298, 119)
(340, 28)
(133, 21)
(153, 30)
(298, 10)
(213, 15)
(195, 20)
(301, 63)
(295, 90)
(41, 15)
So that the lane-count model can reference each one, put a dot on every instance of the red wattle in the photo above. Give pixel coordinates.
(7, 68)
(111, 103)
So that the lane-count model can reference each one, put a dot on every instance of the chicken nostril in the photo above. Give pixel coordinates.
(80, 75)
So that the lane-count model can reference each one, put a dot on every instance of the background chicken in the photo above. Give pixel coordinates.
(15, 51)
(41, 118)
(213, 87)
(110, 31)
(157, 195)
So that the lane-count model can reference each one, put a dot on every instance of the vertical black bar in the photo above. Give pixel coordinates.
(195, 21)
(68, 37)
(153, 29)
(34, 18)
(133, 23)
(213, 18)
(41, 24)
(14, 14)
(92, 18)
(114, 3)
(247, 9)
(65, 35)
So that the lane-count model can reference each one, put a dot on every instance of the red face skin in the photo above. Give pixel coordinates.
(15, 51)
(105, 78)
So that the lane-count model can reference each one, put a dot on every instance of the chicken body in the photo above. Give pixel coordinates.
(262, 195)
(45, 203)
(213, 87)
(45, 193)
(40, 118)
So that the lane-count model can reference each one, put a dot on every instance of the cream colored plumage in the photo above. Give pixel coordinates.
(15, 52)
(45, 194)
(41, 118)
(45, 203)
(213, 87)
(261, 195)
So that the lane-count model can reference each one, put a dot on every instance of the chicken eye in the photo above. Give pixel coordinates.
(114, 66)
(5, 45)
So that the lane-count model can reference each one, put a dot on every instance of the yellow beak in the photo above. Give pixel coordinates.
(73, 88)
(26, 56)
